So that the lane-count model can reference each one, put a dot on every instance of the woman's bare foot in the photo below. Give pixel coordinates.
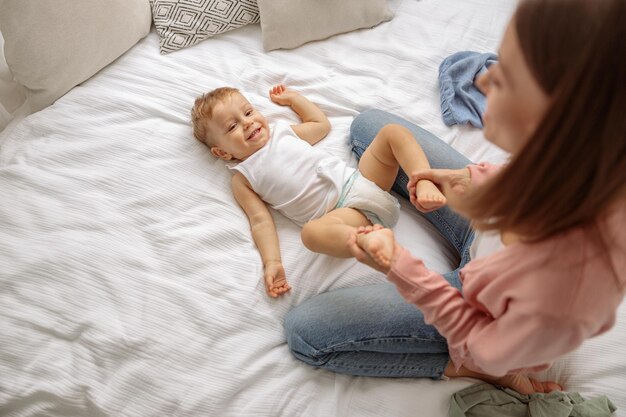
(526, 385)
(377, 242)
(428, 196)
(517, 382)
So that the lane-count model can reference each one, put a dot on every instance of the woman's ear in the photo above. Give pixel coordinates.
(218, 153)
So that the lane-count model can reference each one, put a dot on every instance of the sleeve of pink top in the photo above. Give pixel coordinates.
(480, 172)
(475, 339)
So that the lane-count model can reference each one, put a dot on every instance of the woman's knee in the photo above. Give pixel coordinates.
(395, 132)
(365, 126)
(298, 330)
(316, 326)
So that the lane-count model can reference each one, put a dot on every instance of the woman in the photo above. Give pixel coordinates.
(544, 267)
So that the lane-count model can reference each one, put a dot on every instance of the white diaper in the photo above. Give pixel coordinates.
(378, 205)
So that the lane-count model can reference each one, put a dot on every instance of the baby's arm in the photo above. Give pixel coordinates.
(264, 235)
(315, 125)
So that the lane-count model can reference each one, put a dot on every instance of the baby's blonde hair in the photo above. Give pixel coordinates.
(202, 111)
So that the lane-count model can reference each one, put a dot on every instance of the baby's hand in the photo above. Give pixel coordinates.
(275, 281)
(281, 95)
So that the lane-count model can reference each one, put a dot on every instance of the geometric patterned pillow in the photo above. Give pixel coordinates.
(183, 23)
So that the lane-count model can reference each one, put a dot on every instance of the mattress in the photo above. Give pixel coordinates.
(129, 281)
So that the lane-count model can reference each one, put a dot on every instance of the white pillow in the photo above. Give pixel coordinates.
(183, 23)
(290, 23)
(598, 367)
(51, 46)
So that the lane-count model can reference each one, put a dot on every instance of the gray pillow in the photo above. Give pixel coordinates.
(11, 94)
(183, 23)
(51, 46)
(291, 23)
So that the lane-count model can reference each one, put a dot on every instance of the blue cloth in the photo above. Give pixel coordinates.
(371, 330)
(461, 101)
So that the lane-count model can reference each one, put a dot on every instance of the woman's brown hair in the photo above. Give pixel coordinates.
(574, 164)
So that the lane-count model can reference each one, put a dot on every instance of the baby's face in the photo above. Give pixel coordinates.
(237, 130)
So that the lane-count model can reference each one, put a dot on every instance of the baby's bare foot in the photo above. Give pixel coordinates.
(378, 242)
(428, 196)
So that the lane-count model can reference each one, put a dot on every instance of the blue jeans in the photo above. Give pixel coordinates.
(371, 330)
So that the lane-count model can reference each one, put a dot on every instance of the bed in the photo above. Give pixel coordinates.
(129, 281)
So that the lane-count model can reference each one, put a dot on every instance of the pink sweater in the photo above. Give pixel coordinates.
(527, 304)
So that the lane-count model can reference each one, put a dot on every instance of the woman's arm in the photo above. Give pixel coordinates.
(496, 346)
(263, 233)
(315, 125)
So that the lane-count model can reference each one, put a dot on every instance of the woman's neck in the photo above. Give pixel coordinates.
(508, 238)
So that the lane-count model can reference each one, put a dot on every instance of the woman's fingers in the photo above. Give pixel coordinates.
(362, 256)
(447, 180)
(434, 175)
(355, 249)
(358, 252)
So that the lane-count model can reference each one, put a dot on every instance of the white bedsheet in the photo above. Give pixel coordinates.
(129, 282)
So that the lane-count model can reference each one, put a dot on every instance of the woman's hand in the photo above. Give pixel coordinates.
(449, 181)
(374, 246)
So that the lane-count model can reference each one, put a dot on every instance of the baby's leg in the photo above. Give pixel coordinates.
(394, 147)
(330, 233)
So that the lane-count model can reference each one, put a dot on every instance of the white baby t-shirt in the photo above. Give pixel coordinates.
(293, 177)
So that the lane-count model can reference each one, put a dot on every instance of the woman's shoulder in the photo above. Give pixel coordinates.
(602, 240)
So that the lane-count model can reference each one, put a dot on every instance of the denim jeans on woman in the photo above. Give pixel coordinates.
(371, 330)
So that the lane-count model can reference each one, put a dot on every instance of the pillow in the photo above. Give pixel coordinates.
(51, 46)
(183, 23)
(11, 94)
(290, 23)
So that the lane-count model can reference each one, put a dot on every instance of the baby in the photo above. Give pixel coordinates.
(279, 166)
